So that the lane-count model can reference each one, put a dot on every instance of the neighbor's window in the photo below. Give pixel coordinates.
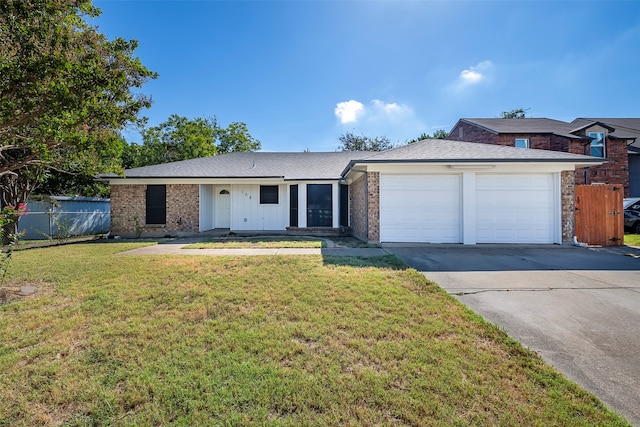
(597, 144)
(522, 143)
(268, 194)
(156, 204)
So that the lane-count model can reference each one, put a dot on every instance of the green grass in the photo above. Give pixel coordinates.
(115, 339)
(632, 239)
(259, 242)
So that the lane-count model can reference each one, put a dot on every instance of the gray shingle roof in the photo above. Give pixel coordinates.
(444, 150)
(333, 165)
(288, 166)
(527, 125)
(625, 128)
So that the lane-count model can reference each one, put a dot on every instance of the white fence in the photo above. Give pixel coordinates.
(64, 217)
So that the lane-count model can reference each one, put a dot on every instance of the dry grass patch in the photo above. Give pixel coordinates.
(260, 242)
(306, 340)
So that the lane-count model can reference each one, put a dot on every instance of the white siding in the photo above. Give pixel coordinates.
(206, 207)
(248, 214)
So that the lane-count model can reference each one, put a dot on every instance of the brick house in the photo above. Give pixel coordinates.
(592, 138)
(626, 128)
(431, 191)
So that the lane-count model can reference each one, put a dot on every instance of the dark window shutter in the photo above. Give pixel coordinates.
(268, 194)
(156, 204)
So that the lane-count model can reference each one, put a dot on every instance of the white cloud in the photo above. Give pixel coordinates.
(379, 118)
(389, 112)
(349, 111)
(474, 75)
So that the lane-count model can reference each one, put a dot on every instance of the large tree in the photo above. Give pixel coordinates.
(64, 89)
(351, 142)
(181, 138)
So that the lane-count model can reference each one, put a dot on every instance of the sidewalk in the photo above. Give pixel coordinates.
(177, 249)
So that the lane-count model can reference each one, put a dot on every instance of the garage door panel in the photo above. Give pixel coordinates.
(515, 208)
(420, 208)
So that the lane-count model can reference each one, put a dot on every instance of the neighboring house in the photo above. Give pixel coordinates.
(624, 128)
(592, 138)
(431, 191)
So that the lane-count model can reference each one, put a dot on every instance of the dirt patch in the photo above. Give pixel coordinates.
(18, 291)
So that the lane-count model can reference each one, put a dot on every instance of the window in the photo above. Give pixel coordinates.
(293, 205)
(597, 144)
(522, 143)
(319, 205)
(268, 194)
(156, 204)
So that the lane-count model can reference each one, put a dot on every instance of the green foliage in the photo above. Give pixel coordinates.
(181, 138)
(439, 134)
(64, 90)
(351, 142)
(518, 113)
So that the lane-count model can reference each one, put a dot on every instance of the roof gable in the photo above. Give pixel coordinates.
(526, 126)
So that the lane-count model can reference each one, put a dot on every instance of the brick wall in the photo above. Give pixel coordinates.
(373, 206)
(128, 207)
(358, 207)
(471, 134)
(568, 200)
(183, 208)
(615, 171)
(537, 141)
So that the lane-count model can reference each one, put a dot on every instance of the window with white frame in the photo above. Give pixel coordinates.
(597, 144)
(522, 143)
(268, 194)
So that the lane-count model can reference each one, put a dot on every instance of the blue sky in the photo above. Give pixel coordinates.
(301, 73)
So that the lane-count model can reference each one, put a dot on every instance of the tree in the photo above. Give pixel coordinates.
(439, 134)
(351, 142)
(75, 180)
(64, 89)
(518, 113)
(181, 138)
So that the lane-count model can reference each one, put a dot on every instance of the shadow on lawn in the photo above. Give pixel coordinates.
(386, 261)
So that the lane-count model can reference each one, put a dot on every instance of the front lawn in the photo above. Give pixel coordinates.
(113, 339)
(632, 239)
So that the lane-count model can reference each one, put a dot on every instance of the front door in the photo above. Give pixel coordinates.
(222, 217)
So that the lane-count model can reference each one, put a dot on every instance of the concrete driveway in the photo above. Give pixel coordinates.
(579, 308)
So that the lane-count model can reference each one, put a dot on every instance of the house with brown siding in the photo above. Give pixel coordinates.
(588, 137)
(433, 191)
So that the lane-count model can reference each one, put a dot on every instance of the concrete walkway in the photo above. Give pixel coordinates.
(177, 248)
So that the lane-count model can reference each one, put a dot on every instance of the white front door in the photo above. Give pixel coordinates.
(222, 217)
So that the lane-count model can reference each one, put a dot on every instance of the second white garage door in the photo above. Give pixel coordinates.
(420, 208)
(515, 208)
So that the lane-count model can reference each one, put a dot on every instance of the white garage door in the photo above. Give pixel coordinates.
(515, 208)
(420, 208)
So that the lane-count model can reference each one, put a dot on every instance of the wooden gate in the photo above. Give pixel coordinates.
(599, 215)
